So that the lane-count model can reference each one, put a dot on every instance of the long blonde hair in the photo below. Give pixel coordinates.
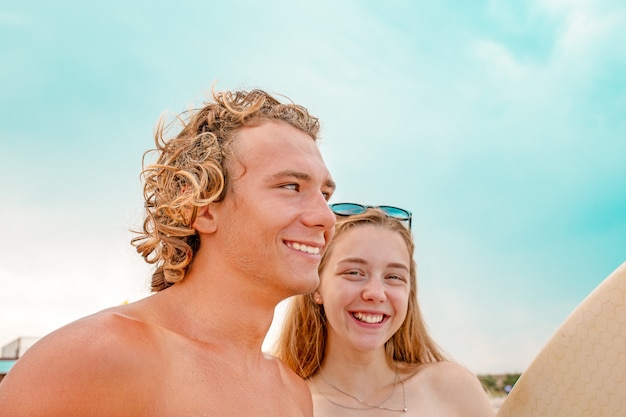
(302, 341)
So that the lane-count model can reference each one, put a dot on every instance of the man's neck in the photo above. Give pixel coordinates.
(220, 315)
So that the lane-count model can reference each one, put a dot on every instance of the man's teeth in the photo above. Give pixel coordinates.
(368, 318)
(306, 249)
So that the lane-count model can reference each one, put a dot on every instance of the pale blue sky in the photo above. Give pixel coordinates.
(500, 124)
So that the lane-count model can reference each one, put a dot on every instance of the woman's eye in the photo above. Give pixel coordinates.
(396, 277)
(352, 274)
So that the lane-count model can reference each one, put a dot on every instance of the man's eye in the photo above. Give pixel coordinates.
(293, 186)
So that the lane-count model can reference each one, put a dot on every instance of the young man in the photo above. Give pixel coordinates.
(236, 221)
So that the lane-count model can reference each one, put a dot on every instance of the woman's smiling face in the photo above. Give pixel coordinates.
(365, 286)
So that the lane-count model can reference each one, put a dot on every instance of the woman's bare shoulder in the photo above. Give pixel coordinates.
(441, 372)
(454, 386)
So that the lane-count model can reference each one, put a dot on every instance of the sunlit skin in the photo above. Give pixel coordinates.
(194, 349)
(364, 290)
(288, 196)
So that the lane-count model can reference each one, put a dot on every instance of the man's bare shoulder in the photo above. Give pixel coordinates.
(90, 364)
(129, 360)
(292, 385)
(286, 374)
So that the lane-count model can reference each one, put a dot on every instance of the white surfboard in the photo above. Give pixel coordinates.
(581, 371)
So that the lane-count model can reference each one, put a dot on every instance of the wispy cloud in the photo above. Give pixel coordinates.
(499, 124)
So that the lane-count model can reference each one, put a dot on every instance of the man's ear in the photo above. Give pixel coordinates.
(206, 220)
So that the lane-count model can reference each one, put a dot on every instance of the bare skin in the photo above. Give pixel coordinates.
(365, 289)
(194, 349)
(439, 389)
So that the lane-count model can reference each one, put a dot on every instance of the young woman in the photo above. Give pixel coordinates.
(360, 340)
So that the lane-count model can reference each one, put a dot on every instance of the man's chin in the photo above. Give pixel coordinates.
(307, 284)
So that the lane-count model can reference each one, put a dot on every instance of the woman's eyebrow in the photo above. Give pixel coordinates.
(398, 265)
(362, 261)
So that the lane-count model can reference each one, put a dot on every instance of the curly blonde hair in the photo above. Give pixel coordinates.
(191, 171)
(302, 341)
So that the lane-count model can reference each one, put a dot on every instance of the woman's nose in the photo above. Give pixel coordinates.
(374, 291)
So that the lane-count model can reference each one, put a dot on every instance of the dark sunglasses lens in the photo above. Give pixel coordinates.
(347, 209)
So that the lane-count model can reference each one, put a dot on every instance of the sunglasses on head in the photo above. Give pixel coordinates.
(348, 209)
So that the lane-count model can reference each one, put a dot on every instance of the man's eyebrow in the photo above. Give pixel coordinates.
(288, 173)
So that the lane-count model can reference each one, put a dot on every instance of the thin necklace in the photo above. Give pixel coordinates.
(365, 403)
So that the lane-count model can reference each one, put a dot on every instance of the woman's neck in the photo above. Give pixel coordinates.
(358, 371)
